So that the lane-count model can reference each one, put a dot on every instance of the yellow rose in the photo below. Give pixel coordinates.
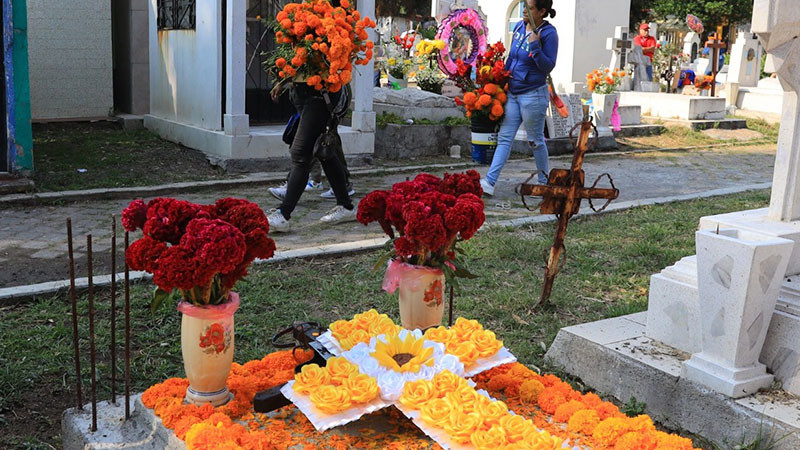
(461, 426)
(467, 325)
(359, 335)
(447, 381)
(491, 439)
(310, 378)
(438, 334)
(516, 427)
(439, 44)
(486, 343)
(365, 319)
(491, 411)
(331, 399)
(339, 369)
(541, 441)
(362, 388)
(341, 329)
(384, 325)
(466, 396)
(465, 351)
(417, 393)
(436, 412)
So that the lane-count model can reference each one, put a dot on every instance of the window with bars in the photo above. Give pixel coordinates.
(176, 14)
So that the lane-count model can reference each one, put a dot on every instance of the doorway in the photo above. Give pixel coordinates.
(260, 40)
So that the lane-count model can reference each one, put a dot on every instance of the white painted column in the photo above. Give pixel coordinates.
(363, 114)
(237, 123)
(777, 24)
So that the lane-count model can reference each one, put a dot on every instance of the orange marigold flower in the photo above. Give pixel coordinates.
(497, 110)
(636, 441)
(530, 390)
(609, 430)
(591, 399)
(583, 421)
(606, 410)
(672, 442)
(344, 4)
(550, 400)
(499, 383)
(490, 88)
(566, 410)
(484, 100)
(280, 63)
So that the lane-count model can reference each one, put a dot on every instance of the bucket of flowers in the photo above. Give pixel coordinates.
(425, 218)
(484, 99)
(318, 44)
(198, 253)
(398, 69)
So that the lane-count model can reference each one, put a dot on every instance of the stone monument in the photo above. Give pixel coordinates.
(639, 62)
(718, 305)
(691, 45)
(620, 45)
(745, 66)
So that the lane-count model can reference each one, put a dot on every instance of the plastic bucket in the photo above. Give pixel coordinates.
(483, 146)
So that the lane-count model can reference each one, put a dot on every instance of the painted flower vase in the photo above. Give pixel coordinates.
(207, 343)
(421, 294)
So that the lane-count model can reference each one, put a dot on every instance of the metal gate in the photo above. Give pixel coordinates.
(3, 121)
(260, 40)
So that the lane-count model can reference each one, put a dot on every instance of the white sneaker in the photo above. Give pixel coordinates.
(280, 191)
(312, 185)
(488, 189)
(278, 223)
(339, 214)
(329, 195)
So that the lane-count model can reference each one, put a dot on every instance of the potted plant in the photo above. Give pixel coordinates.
(603, 84)
(484, 99)
(425, 219)
(398, 68)
(198, 253)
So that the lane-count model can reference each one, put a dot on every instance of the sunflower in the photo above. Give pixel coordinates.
(403, 355)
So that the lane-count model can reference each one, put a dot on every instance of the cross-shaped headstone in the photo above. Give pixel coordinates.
(620, 45)
(715, 45)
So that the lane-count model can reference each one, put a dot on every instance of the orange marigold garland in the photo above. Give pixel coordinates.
(319, 43)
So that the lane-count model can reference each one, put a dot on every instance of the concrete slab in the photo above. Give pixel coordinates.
(640, 367)
(698, 125)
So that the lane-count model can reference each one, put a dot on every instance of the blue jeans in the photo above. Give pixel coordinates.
(649, 73)
(528, 109)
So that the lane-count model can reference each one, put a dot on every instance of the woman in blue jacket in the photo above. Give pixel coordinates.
(531, 58)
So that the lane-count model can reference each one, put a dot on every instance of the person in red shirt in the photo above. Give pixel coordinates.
(648, 44)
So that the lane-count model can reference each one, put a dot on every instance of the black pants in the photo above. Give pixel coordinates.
(314, 117)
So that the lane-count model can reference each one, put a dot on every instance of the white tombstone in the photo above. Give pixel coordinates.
(745, 65)
(639, 62)
(700, 304)
(692, 45)
(620, 45)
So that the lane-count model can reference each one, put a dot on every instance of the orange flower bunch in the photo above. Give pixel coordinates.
(206, 426)
(489, 101)
(703, 82)
(586, 416)
(449, 403)
(362, 328)
(466, 339)
(336, 387)
(320, 43)
(604, 81)
(486, 98)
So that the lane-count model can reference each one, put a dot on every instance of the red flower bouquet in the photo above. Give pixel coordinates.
(200, 250)
(485, 98)
(426, 218)
(318, 43)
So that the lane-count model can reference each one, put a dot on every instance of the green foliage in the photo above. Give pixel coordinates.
(385, 118)
(633, 408)
(710, 12)
(764, 440)
(412, 9)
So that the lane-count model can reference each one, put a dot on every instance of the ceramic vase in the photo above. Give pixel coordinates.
(207, 343)
(421, 297)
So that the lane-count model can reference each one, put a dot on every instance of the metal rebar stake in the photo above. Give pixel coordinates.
(113, 309)
(92, 355)
(127, 334)
(74, 300)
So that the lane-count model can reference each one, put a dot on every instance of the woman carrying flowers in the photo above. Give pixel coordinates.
(319, 41)
(531, 59)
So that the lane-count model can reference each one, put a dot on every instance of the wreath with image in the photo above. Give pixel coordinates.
(463, 22)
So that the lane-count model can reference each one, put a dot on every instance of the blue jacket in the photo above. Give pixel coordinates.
(531, 63)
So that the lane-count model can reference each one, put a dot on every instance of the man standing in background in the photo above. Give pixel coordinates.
(648, 44)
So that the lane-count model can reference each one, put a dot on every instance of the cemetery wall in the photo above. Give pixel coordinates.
(397, 142)
(70, 56)
(185, 75)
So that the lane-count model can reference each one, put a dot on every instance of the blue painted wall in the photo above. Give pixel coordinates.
(18, 105)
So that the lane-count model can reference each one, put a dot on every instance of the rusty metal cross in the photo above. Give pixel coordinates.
(562, 196)
(715, 45)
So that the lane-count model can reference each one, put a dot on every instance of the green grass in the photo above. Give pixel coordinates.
(86, 156)
(611, 258)
(385, 118)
